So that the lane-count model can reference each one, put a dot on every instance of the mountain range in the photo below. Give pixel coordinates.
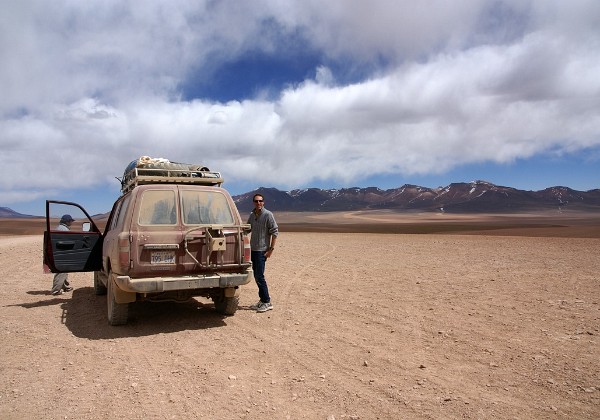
(462, 197)
(472, 197)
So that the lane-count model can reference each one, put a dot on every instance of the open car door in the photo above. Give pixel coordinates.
(75, 248)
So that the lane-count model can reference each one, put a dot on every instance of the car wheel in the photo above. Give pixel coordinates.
(99, 287)
(117, 312)
(226, 305)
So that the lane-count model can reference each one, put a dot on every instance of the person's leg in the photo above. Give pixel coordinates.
(58, 282)
(258, 266)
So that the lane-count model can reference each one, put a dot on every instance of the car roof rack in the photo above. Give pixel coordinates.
(146, 171)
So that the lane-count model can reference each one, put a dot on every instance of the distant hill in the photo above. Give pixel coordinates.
(9, 213)
(473, 197)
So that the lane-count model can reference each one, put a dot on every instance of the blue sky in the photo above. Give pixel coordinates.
(297, 94)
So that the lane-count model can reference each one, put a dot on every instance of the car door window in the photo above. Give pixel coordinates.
(115, 218)
(59, 210)
(122, 212)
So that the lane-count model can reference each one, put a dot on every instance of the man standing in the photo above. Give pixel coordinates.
(262, 244)
(60, 283)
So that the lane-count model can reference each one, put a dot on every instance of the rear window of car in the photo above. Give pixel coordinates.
(158, 207)
(205, 207)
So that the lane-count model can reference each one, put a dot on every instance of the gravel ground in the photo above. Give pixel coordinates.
(365, 326)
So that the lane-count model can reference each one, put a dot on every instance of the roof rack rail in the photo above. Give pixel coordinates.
(144, 172)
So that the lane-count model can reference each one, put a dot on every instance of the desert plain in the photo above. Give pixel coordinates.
(378, 315)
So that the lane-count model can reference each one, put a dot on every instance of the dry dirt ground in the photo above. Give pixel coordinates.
(477, 322)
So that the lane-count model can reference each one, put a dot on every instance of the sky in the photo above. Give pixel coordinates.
(297, 94)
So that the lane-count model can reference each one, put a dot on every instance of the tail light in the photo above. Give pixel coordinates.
(124, 250)
(246, 248)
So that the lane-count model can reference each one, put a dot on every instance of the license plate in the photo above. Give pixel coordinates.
(162, 257)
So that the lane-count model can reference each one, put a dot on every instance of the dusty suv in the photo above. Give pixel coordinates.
(172, 235)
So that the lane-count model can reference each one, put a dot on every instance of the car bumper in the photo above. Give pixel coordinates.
(165, 284)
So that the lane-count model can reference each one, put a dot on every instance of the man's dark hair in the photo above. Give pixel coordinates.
(257, 195)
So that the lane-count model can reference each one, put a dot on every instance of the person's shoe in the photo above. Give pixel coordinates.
(256, 305)
(264, 307)
(67, 289)
(57, 292)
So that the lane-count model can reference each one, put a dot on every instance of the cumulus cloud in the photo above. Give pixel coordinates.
(89, 86)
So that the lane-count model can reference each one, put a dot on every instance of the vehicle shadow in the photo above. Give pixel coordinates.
(84, 314)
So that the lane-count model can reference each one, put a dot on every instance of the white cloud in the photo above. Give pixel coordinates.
(89, 86)
(324, 76)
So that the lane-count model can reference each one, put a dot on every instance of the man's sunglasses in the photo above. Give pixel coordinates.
(258, 201)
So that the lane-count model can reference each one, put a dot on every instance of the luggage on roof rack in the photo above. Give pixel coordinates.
(147, 170)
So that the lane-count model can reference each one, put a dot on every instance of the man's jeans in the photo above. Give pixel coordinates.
(258, 265)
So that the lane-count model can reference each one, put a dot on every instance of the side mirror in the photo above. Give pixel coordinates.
(86, 226)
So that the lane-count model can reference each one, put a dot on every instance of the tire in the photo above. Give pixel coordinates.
(226, 305)
(99, 287)
(117, 312)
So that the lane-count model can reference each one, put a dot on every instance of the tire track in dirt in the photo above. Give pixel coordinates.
(407, 324)
(292, 283)
(312, 372)
(150, 383)
(317, 357)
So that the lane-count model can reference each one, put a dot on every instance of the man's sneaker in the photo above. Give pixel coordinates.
(256, 305)
(264, 307)
(57, 292)
(67, 289)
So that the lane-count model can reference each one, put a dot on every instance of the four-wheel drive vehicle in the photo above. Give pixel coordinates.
(172, 235)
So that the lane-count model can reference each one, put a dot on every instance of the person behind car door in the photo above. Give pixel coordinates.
(60, 283)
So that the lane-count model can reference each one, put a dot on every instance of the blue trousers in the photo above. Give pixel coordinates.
(258, 266)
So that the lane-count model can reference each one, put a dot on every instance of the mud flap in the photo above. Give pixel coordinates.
(122, 296)
(231, 292)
